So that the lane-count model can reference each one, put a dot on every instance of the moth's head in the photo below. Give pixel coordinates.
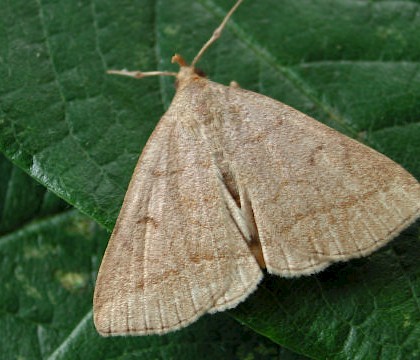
(187, 73)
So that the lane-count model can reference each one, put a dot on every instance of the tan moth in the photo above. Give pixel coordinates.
(230, 182)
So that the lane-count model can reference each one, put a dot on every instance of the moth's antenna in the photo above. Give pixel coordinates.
(178, 58)
(216, 33)
(140, 74)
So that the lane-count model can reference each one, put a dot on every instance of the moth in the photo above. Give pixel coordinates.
(232, 182)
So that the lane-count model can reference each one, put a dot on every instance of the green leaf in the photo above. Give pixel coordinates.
(47, 275)
(22, 199)
(351, 64)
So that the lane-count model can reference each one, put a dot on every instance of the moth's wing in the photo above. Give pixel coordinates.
(175, 253)
(316, 195)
